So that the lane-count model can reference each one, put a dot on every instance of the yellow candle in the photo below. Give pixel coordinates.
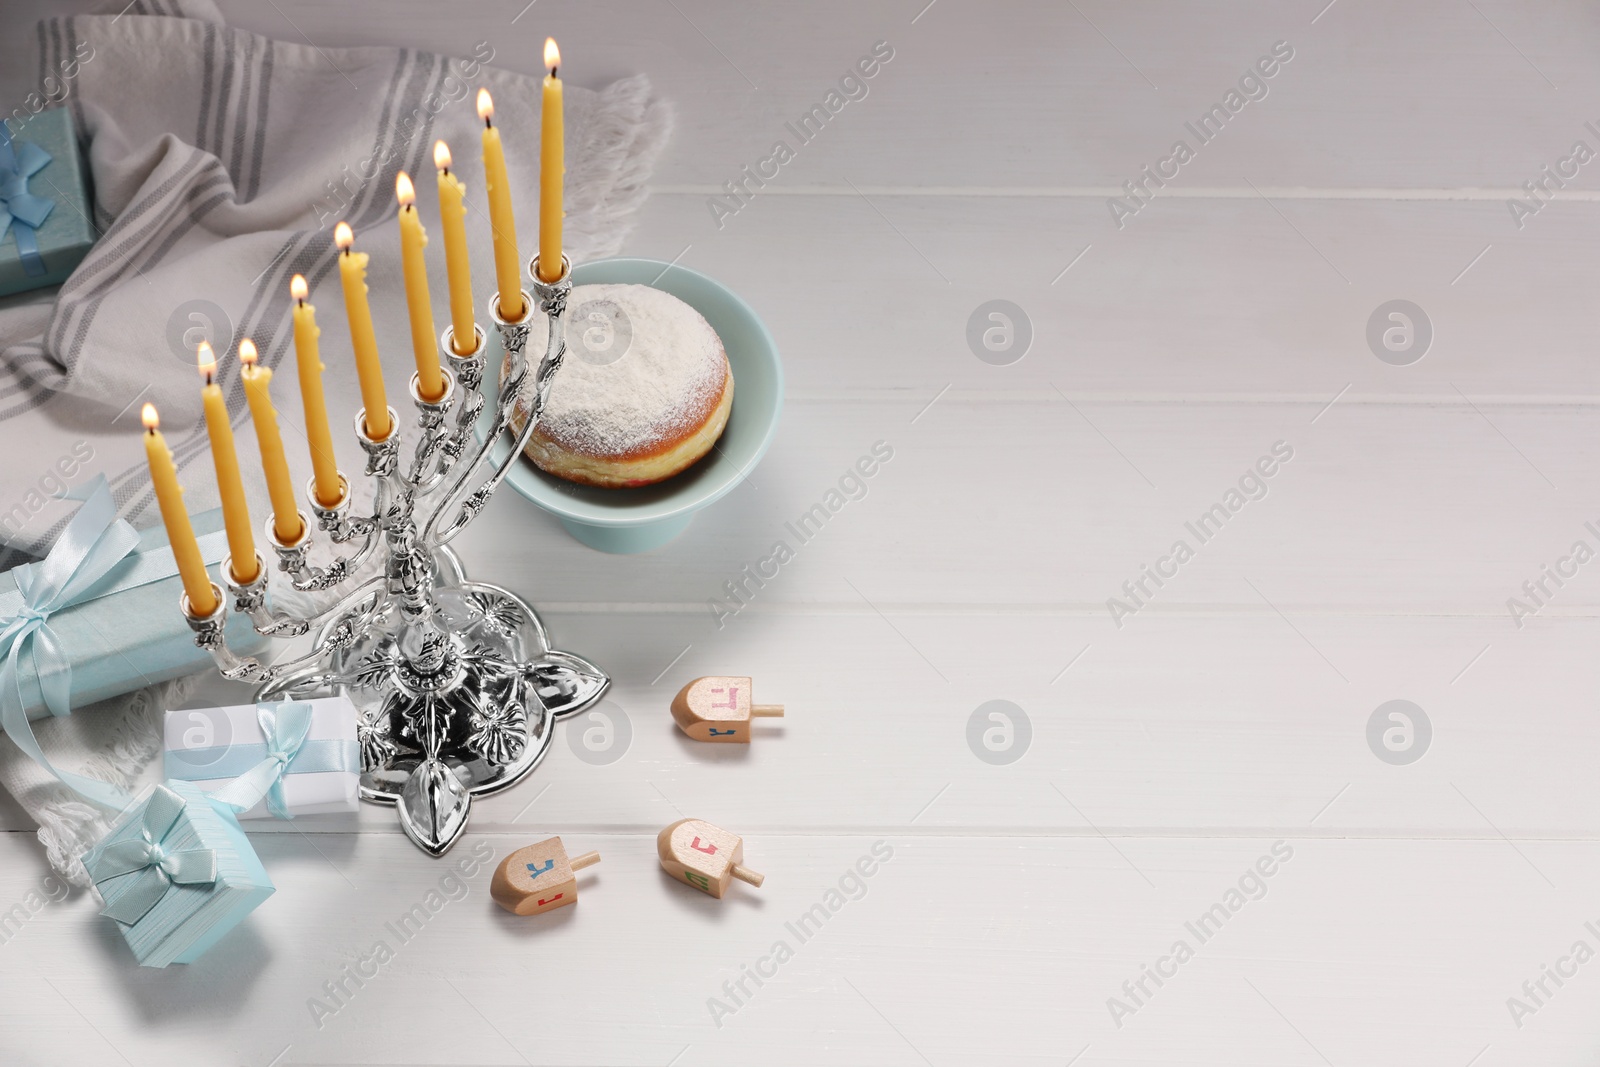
(413, 239)
(353, 275)
(257, 385)
(453, 221)
(552, 167)
(235, 512)
(507, 270)
(185, 549)
(308, 356)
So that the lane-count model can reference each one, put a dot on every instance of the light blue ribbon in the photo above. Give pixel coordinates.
(21, 211)
(158, 867)
(230, 761)
(142, 567)
(94, 542)
(285, 726)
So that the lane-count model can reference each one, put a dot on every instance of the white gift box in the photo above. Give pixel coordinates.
(212, 747)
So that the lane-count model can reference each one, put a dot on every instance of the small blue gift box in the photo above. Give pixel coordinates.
(176, 874)
(46, 217)
(126, 631)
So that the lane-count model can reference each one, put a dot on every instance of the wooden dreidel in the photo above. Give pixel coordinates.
(538, 878)
(719, 709)
(704, 856)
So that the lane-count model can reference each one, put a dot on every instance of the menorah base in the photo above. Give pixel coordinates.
(459, 703)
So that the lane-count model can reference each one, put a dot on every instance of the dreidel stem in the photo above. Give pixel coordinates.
(578, 863)
(767, 711)
(745, 874)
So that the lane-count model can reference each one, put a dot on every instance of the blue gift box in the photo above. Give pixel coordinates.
(176, 874)
(126, 631)
(45, 208)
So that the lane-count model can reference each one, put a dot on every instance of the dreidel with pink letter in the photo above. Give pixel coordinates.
(704, 856)
(538, 878)
(719, 709)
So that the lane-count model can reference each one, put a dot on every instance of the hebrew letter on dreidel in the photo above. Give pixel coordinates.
(703, 717)
(704, 856)
(512, 886)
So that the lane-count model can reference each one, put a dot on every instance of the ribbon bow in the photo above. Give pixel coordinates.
(285, 727)
(93, 542)
(159, 868)
(22, 211)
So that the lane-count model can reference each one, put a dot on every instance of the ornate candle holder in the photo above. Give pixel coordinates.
(457, 685)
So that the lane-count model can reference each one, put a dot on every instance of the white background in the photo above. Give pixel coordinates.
(1166, 755)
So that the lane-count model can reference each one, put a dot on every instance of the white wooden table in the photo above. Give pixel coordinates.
(1167, 755)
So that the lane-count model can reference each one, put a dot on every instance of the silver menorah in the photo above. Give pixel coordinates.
(455, 682)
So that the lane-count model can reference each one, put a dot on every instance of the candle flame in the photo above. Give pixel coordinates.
(441, 155)
(404, 191)
(343, 236)
(206, 359)
(148, 416)
(247, 352)
(485, 105)
(552, 55)
(298, 288)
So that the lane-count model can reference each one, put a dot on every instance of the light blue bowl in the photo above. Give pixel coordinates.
(637, 520)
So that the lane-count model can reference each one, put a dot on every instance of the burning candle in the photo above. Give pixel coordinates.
(180, 532)
(413, 239)
(286, 522)
(507, 271)
(353, 276)
(552, 167)
(230, 485)
(453, 221)
(327, 486)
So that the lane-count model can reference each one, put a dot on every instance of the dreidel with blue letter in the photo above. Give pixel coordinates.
(704, 856)
(719, 709)
(538, 878)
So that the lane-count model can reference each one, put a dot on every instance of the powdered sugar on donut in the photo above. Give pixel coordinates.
(665, 384)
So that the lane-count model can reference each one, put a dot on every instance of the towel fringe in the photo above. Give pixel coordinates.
(68, 826)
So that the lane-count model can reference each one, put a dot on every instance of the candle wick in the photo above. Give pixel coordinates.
(553, 71)
(488, 121)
